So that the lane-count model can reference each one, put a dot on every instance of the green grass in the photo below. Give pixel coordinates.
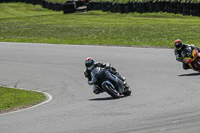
(28, 23)
(19, 10)
(14, 99)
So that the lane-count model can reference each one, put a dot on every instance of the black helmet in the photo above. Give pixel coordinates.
(178, 43)
(89, 63)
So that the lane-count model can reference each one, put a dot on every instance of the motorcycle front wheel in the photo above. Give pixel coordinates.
(127, 92)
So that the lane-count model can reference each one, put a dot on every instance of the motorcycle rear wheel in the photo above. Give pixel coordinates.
(197, 64)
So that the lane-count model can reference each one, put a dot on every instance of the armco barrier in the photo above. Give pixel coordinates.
(185, 8)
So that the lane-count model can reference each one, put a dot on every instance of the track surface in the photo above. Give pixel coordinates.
(165, 97)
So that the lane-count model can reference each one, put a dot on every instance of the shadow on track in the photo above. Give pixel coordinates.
(105, 98)
(102, 99)
(190, 74)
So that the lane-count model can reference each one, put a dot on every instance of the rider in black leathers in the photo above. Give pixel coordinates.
(179, 47)
(91, 64)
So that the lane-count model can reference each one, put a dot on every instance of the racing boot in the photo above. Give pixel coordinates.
(96, 90)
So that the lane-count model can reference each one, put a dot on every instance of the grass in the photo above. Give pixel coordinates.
(27, 23)
(13, 99)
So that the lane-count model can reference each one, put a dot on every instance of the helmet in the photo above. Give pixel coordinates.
(178, 43)
(89, 63)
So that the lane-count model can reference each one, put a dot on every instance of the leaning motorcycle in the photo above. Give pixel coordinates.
(104, 84)
(192, 57)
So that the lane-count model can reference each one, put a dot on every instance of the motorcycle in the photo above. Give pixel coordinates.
(192, 57)
(102, 81)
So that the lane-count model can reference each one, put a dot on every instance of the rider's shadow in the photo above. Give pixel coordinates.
(102, 99)
(105, 98)
(190, 74)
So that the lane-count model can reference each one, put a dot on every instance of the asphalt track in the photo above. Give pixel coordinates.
(165, 98)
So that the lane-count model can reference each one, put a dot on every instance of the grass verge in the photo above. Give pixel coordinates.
(28, 23)
(14, 99)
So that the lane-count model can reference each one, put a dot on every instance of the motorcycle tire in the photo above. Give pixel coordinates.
(111, 91)
(127, 92)
(197, 64)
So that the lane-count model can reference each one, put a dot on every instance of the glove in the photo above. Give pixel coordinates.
(86, 74)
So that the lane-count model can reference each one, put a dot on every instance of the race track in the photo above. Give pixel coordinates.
(165, 98)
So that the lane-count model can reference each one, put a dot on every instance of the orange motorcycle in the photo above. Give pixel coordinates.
(192, 57)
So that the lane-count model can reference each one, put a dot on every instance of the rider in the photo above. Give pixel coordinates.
(179, 47)
(91, 64)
